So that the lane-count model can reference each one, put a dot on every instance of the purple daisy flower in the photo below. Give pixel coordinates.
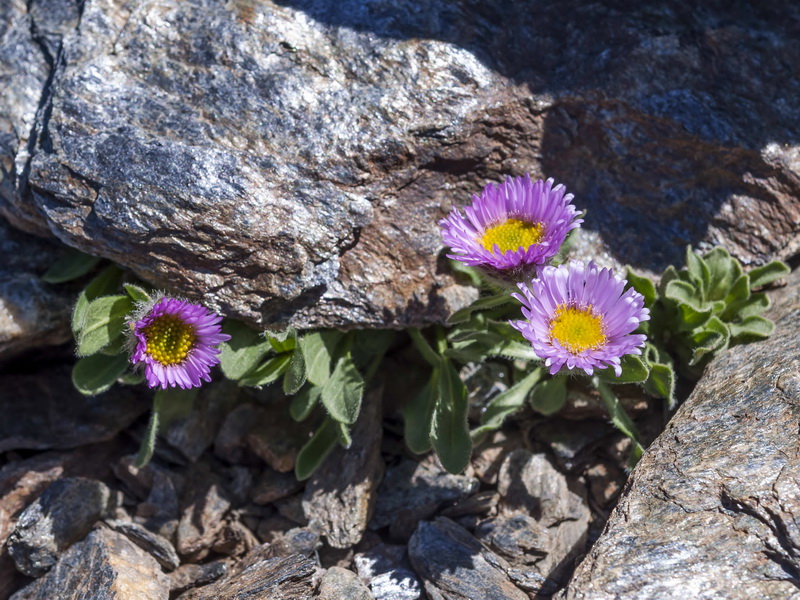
(177, 342)
(515, 224)
(581, 316)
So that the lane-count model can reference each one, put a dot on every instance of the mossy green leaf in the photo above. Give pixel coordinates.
(103, 322)
(95, 374)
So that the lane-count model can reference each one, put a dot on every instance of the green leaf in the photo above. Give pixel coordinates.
(131, 378)
(480, 304)
(751, 329)
(137, 293)
(316, 449)
(95, 374)
(713, 338)
(669, 274)
(620, 418)
(240, 354)
(506, 403)
(282, 341)
(683, 293)
(304, 402)
(661, 383)
(342, 393)
(739, 292)
(72, 265)
(428, 353)
(148, 443)
(634, 370)
(268, 372)
(698, 267)
(725, 270)
(174, 404)
(768, 273)
(755, 305)
(513, 349)
(318, 349)
(550, 396)
(418, 416)
(295, 375)
(692, 317)
(466, 271)
(449, 434)
(104, 322)
(343, 433)
(644, 286)
(105, 283)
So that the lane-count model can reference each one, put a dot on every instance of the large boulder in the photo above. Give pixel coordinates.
(288, 161)
(711, 511)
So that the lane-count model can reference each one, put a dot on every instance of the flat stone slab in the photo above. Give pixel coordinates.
(289, 161)
(712, 510)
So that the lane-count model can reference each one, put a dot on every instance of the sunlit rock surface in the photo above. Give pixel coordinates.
(288, 161)
(711, 511)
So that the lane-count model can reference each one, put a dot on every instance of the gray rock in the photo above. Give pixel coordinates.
(260, 575)
(159, 547)
(339, 583)
(32, 313)
(454, 565)
(386, 570)
(104, 566)
(298, 540)
(61, 516)
(289, 162)
(711, 509)
(272, 485)
(531, 487)
(190, 575)
(28, 403)
(413, 491)
(340, 497)
(205, 505)
(397, 584)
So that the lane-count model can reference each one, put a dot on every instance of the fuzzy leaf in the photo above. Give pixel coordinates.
(318, 348)
(739, 292)
(692, 317)
(304, 402)
(104, 322)
(137, 293)
(713, 338)
(683, 293)
(550, 396)
(768, 273)
(418, 416)
(644, 286)
(755, 305)
(669, 274)
(620, 418)
(316, 449)
(282, 341)
(661, 383)
(466, 271)
(699, 268)
(295, 375)
(725, 270)
(449, 434)
(342, 393)
(95, 374)
(480, 304)
(343, 433)
(425, 349)
(240, 354)
(634, 370)
(506, 403)
(72, 265)
(751, 329)
(268, 372)
(105, 283)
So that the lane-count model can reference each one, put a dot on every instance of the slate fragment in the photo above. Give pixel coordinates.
(192, 575)
(205, 504)
(64, 513)
(104, 566)
(715, 498)
(412, 491)
(455, 566)
(157, 546)
(340, 496)
(338, 583)
(386, 570)
(43, 411)
(260, 575)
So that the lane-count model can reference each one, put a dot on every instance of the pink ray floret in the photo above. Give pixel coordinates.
(586, 288)
(516, 198)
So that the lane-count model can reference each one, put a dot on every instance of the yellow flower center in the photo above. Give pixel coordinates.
(169, 339)
(577, 329)
(512, 235)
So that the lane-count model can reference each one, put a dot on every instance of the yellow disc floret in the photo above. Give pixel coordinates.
(577, 329)
(513, 234)
(169, 339)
